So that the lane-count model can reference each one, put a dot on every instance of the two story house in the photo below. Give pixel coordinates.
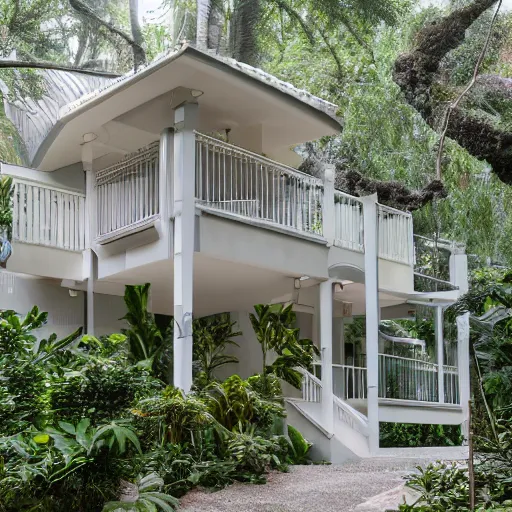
(182, 175)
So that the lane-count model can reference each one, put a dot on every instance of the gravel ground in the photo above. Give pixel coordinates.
(363, 486)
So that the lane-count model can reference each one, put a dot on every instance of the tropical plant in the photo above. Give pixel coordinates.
(273, 326)
(6, 195)
(145, 339)
(212, 335)
(300, 447)
(143, 496)
(174, 417)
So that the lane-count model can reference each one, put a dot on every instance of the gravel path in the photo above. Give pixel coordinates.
(363, 486)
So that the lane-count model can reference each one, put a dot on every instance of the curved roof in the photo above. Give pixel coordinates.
(69, 96)
(34, 119)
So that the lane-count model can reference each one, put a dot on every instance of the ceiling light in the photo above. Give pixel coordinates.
(196, 93)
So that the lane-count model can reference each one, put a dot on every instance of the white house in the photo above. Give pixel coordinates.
(130, 182)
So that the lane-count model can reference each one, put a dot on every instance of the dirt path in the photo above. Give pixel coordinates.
(364, 486)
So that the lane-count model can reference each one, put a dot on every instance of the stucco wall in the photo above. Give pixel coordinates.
(65, 313)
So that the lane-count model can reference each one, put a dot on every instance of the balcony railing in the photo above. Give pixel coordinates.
(48, 216)
(349, 382)
(407, 379)
(236, 181)
(451, 385)
(399, 378)
(349, 229)
(127, 193)
(395, 235)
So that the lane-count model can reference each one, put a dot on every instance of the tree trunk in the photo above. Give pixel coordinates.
(244, 40)
(139, 55)
(216, 22)
(203, 14)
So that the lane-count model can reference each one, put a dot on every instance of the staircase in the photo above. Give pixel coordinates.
(346, 438)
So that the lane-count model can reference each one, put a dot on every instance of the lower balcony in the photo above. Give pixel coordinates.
(400, 378)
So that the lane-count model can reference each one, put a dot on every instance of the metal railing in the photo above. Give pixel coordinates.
(395, 235)
(236, 181)
(49, 216)
(451, 385)
(311, 386)
(407, 379)
(349, 228)
(349, 382)
(127, 193)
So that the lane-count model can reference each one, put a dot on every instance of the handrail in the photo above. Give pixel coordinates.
(243, 184)
(390, 209)
(42, 184)
(352, 417)
(408, 359)
(263, 159)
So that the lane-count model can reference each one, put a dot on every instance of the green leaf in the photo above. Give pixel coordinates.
(41, 439)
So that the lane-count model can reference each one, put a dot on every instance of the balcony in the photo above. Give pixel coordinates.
(400, 378)
(229, 182)
(233, 182)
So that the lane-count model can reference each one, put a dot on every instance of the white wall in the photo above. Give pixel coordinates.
(65, 313)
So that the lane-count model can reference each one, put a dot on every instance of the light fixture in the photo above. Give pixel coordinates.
(304, 278)
(89, 137)
(196, 93)
(73, 293)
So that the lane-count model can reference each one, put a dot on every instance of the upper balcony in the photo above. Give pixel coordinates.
(234, 183)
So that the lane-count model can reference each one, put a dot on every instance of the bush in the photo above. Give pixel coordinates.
(411, 435)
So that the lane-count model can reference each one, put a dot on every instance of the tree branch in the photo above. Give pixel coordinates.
(471, 84)
(288, 9)
(83, 9)
(21, 64)
(356, 36)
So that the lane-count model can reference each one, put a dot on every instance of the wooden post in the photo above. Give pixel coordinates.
(471, 466)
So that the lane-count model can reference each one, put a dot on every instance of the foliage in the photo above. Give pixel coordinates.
(236, 405)
(146, 497)
(150, 342)
(212, 335)
(300, 447)
(395, 435)
(81, 420)
(273, 326)
(441, 487)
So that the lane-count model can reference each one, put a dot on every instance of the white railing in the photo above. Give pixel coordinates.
(353, 418)
(127, 193)
(348, 222)
(311, 386)
(349, 382)
(407, 379)
(395, 235)
(236, 181)
(451, 385)
(50, 216)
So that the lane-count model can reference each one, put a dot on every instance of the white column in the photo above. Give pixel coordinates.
(328, 210)
(89, 257)
(371, 280)
(184, 237)
(165, 165)
(438, 322)
(459, 277)
(463, 364)
(326, 351)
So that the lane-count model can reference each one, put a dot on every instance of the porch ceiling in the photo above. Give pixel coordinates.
(355, 293)
(134, 111)
(219, 286)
